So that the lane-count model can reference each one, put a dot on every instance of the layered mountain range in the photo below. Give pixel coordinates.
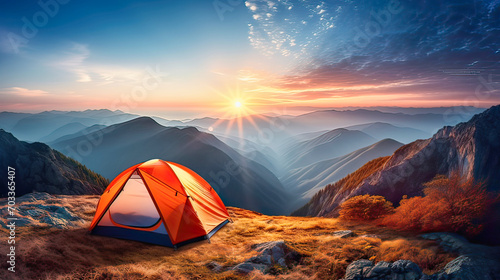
(472, 148)
(238, 180)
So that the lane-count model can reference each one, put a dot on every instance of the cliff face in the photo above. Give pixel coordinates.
(40, 168)
(472, 147)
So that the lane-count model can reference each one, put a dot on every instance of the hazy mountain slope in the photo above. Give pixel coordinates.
(472, 147)
(332, 118)
(82, 132)
(239, 181)
(322, 203)
(329, 145)
(307, 181)
(35, 126)
(39, 168)
(381, 130)
(66, 129)
(285, 126)
(9, 119)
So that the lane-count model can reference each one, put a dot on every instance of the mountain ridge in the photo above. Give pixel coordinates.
(40, 168)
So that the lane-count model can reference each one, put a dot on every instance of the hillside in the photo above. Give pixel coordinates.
(325, 201)
(382, 130)
(329, 145)
(306, 181)
(239, 181)
(40, 168)
(319, 250)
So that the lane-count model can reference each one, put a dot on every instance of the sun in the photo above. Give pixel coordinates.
(238, 104)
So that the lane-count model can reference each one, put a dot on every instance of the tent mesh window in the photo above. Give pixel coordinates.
(134, 207)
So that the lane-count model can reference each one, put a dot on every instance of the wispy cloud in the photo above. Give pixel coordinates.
(74, 61)
(23, 92)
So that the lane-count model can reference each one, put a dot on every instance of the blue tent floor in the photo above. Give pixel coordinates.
(148, 236)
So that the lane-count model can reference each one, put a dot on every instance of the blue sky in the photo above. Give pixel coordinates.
(267, 53)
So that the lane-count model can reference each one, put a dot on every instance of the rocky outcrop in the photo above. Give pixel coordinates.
(476, 262)
(40, 168)
(32, 210)
(472, 148)
(271, 255)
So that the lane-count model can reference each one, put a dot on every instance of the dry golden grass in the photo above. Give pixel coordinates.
(45, 253)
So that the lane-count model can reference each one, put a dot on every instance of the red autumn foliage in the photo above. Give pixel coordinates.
(453, 204)
(365, 207)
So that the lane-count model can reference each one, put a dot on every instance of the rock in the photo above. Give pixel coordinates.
(399, 270)
(408, 270)
(475, 261)
(214, 266)
(35, 213)
(31, 210)
(355, 270)
(451, 242)
(247, 267)
(273, 253)
(465, 267)
(262, 259)
(33, 197)
(379, 270)
(282, 262)
(344, 233)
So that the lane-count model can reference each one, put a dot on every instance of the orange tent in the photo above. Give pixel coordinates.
(159, 202)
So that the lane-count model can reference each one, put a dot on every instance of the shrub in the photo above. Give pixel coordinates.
(452, 204)
(365, 207)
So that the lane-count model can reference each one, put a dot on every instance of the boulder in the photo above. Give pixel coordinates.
(469, 268)
(271, 254)
(399, 270)
(355, 270)
(405, 269)
(380, 270)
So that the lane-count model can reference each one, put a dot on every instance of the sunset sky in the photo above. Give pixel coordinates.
(189, 58)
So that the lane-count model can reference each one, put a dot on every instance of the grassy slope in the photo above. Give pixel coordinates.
(45, 253)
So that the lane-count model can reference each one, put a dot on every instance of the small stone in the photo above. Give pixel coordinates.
(344, 233)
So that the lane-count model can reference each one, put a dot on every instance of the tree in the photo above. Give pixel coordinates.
(365, 207)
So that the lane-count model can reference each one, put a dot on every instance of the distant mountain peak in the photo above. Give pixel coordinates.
(141, 121)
